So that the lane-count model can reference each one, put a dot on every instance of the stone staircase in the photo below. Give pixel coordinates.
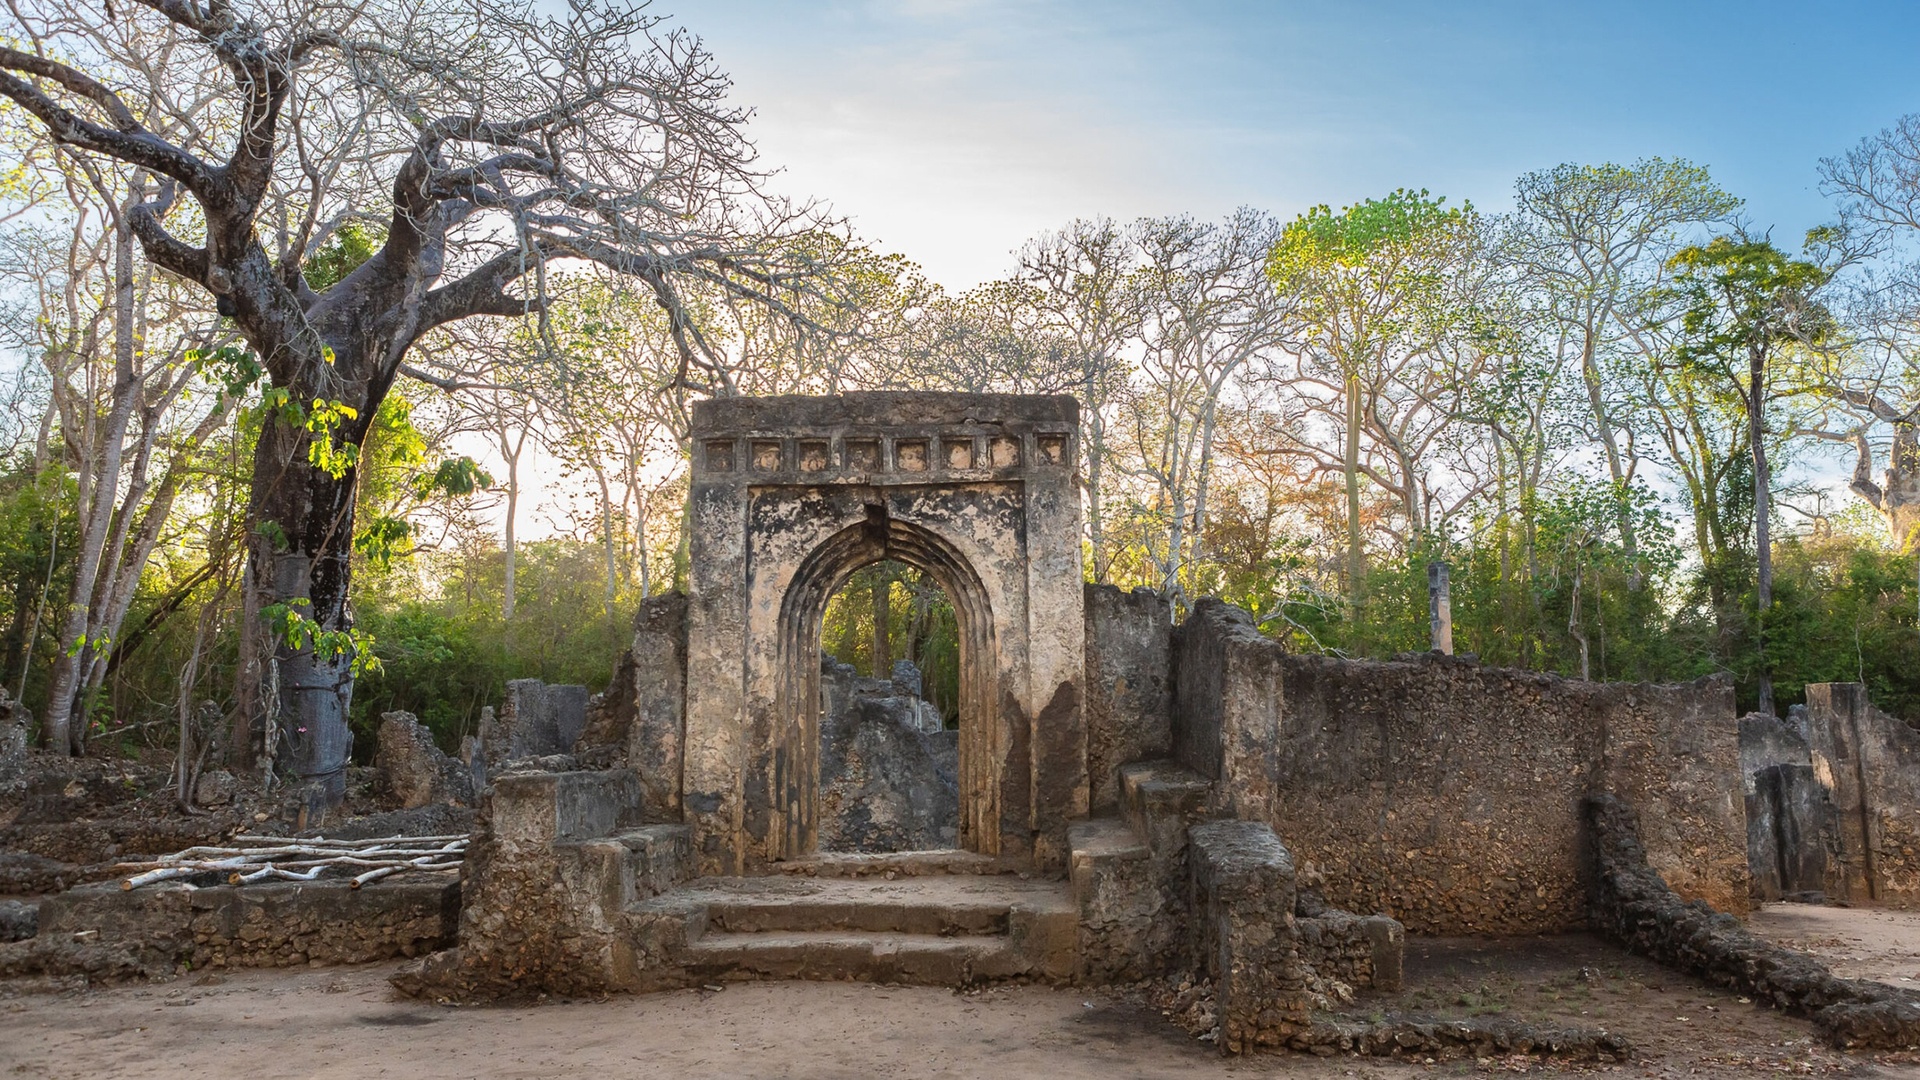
(871, 919)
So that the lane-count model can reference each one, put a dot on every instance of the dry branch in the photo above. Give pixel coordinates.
(259, 858)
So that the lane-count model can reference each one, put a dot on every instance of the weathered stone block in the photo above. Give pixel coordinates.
(413, 770)
(536, 720)
(1228, 705)
(1242, 903)
(887, 783)
(18, 920)
(1870, 762)
(543, 808)
(15, 722)
(1123, 910)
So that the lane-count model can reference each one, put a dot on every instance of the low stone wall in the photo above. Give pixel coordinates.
(281, 924)
(1242, 904)
(1355, 950)
(1447, 794)
(1633, 905)
(548, 879)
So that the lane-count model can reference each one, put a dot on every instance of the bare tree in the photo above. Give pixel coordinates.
(122, 347)
(506, 143)
(1086, 283)
(1594, 240)
(1877, 183)
(1209, 312)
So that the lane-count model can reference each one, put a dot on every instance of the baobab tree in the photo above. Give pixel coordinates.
(485, 145)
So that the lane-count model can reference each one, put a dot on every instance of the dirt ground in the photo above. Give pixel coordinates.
(346, 1022)
(1856, 943)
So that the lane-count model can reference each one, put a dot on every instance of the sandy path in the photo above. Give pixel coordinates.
(346, 1022)
(1857, 943)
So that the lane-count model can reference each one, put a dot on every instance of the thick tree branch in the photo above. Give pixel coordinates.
(127, 142)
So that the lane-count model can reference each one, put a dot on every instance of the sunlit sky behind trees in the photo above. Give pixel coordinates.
(953, 130)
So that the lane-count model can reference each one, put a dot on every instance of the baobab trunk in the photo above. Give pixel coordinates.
(300, 565)
(1898, 497)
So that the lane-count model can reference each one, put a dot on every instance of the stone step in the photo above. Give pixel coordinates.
(922, 959)
(943, 906)
(895, 864)
(1161, 799)
(948, 930)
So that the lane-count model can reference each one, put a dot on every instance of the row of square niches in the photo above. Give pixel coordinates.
(883, 454)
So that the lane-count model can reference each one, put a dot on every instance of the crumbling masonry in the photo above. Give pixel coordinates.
(1134, 799)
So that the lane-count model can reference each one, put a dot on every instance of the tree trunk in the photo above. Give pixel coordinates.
(606, 534)
(300, 564)
(1762, 493)
(1095, 457)
(512, 549)
(1356, 565)
(881, 597)
(1616, 466)
(100, 470)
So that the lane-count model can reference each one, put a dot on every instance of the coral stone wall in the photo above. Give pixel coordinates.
(1447, 794)
(272, 925)
(1870, 763)
(1129, 691)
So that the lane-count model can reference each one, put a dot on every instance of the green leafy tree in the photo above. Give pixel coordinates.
(1748, 308)
(1371, 285)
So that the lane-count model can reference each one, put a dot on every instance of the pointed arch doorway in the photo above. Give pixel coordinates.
(802, 613)
(790, 496)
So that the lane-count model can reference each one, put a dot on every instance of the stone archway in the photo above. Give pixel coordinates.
(791, 495)
(982, 765)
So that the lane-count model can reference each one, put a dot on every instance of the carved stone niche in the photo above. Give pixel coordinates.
(978, 491)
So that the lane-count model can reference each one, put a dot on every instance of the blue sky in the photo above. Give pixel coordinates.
(952, 130)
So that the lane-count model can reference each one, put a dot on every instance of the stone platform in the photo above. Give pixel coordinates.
(939, 929)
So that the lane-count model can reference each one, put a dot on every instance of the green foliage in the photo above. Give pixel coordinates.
(1845, 611)
(39, 535)
(445, 650)
(920, 626)
(235, 370)
(289, 622)
(1741, 296)
(1320, 238)
(343, 253)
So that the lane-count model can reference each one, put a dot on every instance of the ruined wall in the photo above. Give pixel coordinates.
(1790, 823)
(889, 774)
(1129, 707)
(1447, 794)
(1227, 680)
(270, 925)
(537, 720)
(1870, 762)
(644, 710)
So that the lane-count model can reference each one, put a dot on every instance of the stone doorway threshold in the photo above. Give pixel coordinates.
(941, 928)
